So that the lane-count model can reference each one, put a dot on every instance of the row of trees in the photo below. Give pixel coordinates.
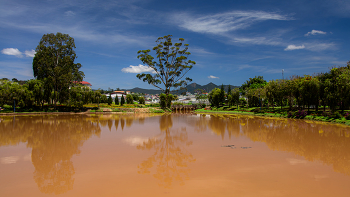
(35, 93)
(330, 89)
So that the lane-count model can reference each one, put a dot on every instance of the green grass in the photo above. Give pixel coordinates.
(278, 112)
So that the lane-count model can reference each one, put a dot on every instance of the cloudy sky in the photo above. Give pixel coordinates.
(231, 41)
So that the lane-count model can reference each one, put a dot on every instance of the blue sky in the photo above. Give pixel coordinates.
(231, 41)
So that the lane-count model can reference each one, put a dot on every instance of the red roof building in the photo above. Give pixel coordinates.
(84, 83)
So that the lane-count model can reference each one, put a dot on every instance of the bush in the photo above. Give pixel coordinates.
(257, 110)
(336, 115)
(142, 100)
(129, 99)
(347, 116)
(165, 100)
(298, 114)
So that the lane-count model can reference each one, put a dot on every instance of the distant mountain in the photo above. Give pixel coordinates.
(190, 88)
(145, 91)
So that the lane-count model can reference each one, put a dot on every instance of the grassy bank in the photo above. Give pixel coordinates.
(312, 114)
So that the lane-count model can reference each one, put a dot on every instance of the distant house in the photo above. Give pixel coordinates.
(122, 92)
(84, 83)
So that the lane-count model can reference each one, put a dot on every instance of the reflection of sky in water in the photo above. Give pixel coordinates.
(180, 152)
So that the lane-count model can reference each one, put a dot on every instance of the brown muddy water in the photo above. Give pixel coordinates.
(172, 155)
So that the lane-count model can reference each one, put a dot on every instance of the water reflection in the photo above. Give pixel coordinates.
(324, 142)
(170, 157)
(54, 140)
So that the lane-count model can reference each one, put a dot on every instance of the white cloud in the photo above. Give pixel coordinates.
(138, 69)
(12, 51)
(30, 53)
(224, 22)
(69, 13)
(212, 77)
(314, 32)
(293, 47)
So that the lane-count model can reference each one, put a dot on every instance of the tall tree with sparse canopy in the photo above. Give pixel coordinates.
(54, 64)
(170, 66)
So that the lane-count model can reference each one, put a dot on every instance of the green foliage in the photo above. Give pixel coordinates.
(110, 100)
(54, 65)
(104, 98)
(116, 100)
(122, 100)
(165, 100)
(171, 65)
(129, 99)
(215, 97)
(222, 95)
(135, 97)
(141, 100)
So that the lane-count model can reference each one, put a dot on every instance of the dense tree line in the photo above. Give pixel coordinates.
(35, 93)
(330, 89)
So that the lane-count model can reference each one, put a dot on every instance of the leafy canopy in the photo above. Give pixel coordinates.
(54, 62)
(170, 66)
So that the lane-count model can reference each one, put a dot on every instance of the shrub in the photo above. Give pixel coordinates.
(347, 116)
(300, 114)
(142, 100)
(129, 99)
(336, 115)
(290, 114)
(165, 100)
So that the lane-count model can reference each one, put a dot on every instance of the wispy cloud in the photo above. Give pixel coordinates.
(69, 13)
(256, 40)
(200, 51)
(315, 32)
(12, 51)
(320, 46)
(225, 22)
(212, 77)
(294, 47)
(88, 34)
(138, 69)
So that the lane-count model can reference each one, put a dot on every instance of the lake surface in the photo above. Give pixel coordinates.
(172, 155)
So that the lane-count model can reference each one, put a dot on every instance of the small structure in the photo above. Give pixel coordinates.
(84, 83)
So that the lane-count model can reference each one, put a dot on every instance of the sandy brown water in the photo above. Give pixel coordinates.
(172, 155)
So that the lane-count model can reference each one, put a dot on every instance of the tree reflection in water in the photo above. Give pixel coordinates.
(54, 140)
(170, 157)
(324, 142)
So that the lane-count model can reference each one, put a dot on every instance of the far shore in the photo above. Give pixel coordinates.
(147, 110)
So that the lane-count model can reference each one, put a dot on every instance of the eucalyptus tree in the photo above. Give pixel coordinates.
(54, 63)
(170, 65)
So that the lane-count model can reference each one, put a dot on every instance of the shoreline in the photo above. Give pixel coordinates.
(146, 110)
(346, 123)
